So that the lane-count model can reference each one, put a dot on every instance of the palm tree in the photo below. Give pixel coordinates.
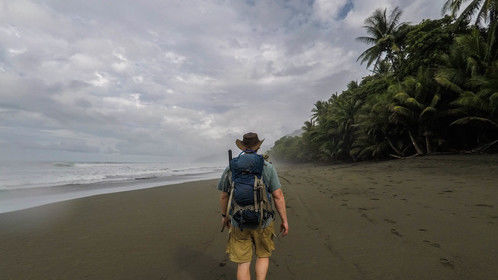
(308, 126)
(470, 71)
(486, 10)
(384, 34)
(416, 107)
(318, 111)
(375, 132)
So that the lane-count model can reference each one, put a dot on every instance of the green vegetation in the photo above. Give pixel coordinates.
(433, 88)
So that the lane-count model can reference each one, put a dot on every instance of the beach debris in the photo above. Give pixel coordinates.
(446, 262)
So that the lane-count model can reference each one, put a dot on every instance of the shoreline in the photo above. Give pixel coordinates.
(26, 198)
(422, 218)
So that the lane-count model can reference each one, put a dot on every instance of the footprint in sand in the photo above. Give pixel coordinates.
(433, 244)
(446, 262)
(313, 227)
(484, 205)
(367, 217)
(392, 222)
(422, 229)
(374, 198)
(396, 232)
(445, 192)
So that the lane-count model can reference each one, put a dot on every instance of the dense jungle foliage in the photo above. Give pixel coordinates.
(433, 88)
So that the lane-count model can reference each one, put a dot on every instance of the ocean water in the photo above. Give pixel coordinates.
(29, 184)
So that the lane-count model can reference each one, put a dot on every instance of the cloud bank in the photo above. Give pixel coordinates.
(171, 80)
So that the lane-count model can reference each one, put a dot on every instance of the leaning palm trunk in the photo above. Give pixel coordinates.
(414, 142)
(427, 144)
(398, 152)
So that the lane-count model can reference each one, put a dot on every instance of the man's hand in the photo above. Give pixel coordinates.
(284, 228)
(225, 222)
(278, 197)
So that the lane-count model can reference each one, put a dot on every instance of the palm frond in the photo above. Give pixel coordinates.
(401, 96)
(414, 103)
(427, 112)
(367, 40)
(443, 81)
(467, 120)
(468, 12)
(435, 100)
(403, 111)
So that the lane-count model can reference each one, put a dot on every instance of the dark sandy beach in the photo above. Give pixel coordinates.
(424, 218)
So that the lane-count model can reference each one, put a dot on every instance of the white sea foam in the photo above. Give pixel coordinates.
(28, 184)
(21, 175)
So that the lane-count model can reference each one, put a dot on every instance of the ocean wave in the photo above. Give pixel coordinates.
(63, 164)
(39, 175)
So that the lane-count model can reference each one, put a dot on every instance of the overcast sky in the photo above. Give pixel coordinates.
(171, 80)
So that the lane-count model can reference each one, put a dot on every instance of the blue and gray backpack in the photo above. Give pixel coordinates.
(251, 200)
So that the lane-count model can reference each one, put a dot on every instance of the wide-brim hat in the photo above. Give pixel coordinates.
(250, 141)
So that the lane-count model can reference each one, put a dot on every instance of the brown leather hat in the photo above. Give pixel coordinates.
(250, 142)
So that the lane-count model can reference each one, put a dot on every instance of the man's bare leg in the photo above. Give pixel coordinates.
(262, 268)
(243, 272)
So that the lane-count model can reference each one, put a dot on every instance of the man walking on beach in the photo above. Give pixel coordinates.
(251, 225)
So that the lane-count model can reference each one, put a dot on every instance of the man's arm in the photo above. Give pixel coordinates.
(278, 197)
(223, 203)
(223, 186)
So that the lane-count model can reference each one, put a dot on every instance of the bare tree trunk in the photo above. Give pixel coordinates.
(394, 147)
(414, 142)
(427, 144)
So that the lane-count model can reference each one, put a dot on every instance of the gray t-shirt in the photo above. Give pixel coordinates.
(270, 178)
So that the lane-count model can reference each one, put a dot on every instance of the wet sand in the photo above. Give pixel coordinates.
(423, 218)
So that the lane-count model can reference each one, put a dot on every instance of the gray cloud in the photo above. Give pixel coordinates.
(169, 80)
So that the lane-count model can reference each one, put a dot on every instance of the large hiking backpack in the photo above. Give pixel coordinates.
(251, 200)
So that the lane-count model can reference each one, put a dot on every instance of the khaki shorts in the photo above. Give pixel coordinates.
(241, 242)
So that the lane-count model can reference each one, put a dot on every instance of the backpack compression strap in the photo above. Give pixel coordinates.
(264, 203)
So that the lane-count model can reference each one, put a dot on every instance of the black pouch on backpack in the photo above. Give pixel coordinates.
(247, 219)
(250, 218)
